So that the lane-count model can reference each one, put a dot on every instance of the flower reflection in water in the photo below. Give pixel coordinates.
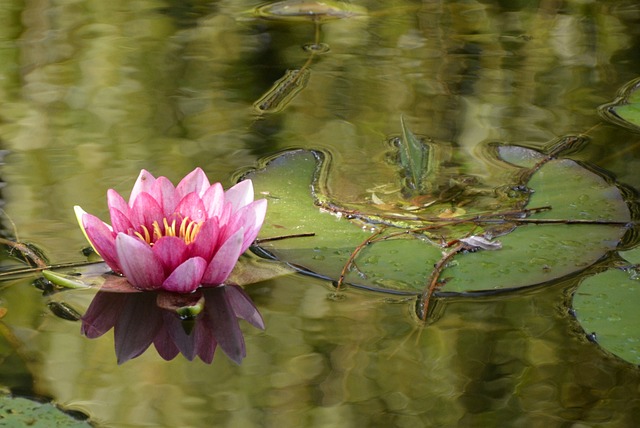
(142, 318)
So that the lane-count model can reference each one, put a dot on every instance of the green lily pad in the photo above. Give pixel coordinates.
(606, 306)
(625, 110)
(22, 412)
(394, 257)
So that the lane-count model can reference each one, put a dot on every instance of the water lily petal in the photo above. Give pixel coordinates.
(117, 202)
(240, 195)
(120, 221)
(224, 260)
(143, 184)
(192, 206)
(251, 217)
(206, 241)
(145, 211)
(213, 200)
(165, 194)
(196, 181)
(139, 264)
(243, 307)
(186, 277)
(171, 251)
(101, 237)
(224, 323)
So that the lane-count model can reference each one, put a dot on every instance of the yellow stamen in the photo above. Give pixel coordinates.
(188, 231)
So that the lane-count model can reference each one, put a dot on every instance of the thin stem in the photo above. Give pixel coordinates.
(354, 254)
(434, 280)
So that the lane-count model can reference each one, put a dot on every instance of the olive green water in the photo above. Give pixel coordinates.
(91, 92)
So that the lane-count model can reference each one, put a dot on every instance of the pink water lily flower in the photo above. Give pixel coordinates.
(176, 238)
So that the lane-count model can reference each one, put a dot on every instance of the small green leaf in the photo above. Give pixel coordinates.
(65, 280)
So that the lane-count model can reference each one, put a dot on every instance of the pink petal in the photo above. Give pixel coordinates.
(145, 211)
(191, 206)
(195, 181)
(120, 221)
(143, 184)
(224, 260)
(243, 306)
(117, 202)
(186, 277)
(165, 194)
(102, 239)
(213, 200)
(252, 217)
(206, 240)
(142, 268)
(171, 251)
(240, 195)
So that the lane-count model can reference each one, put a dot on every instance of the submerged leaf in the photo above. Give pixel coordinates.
(283, 91)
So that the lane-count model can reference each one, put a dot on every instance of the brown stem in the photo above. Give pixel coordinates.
(434, 279)
(354, 254)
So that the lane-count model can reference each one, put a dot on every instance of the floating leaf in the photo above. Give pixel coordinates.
(67, 280)
(308, 10)
(399, 257)
(606, 306)
(22, 412)
(625, 110)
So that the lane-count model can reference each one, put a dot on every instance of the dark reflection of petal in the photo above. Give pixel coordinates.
(243, 306)
(103, 313)
(225, 324)
(137, 326)
(140, 319)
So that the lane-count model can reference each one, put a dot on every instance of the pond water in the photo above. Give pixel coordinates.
(92, 92)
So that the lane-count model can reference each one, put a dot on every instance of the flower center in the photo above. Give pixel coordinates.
(188, 230)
